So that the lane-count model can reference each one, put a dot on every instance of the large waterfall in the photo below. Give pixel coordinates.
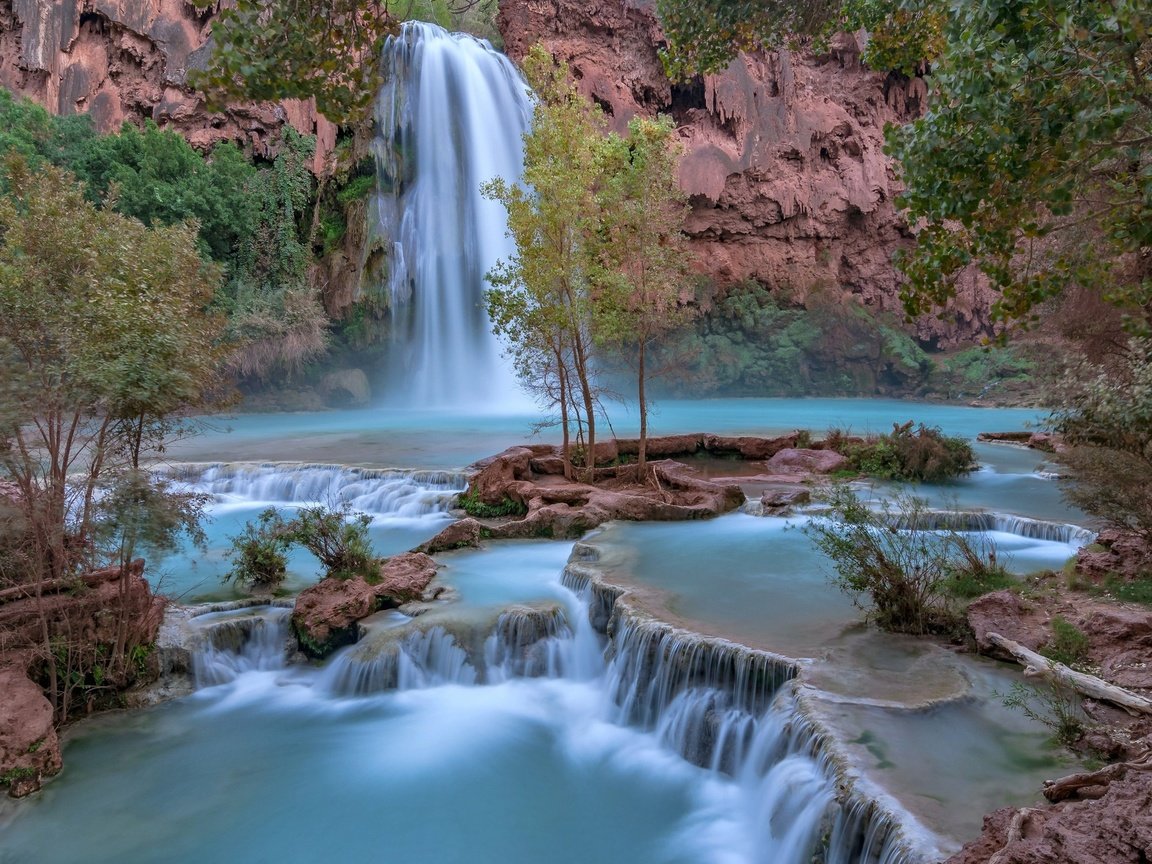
(451, 116)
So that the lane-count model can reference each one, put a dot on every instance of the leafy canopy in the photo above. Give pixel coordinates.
(1033, 162)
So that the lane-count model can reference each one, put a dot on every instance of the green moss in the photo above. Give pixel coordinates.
(478, 509)
(1068, 645)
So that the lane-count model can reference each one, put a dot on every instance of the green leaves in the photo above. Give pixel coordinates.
(1031, 163)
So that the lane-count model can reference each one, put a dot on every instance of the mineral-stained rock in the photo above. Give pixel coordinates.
(120, 60)
(783, 155)
(1004, 612)
(327, 614)
(346, 388)
(802, 461)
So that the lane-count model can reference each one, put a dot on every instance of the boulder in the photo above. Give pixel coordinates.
(791, 460)
(29, 748)
(747, 446)
(664, 446)
(783, 498)
(327, 614)
(464, 534)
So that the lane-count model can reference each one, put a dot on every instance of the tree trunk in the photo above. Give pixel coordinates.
(1086, 685)
(642, 450)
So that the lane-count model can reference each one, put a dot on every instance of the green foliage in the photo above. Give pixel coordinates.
(15, 775)
(924, 455)
(1137, 591)
(1032, 162)
(338, 537)
(894, 562)
(1054, 705)
(259, 554)
(1068, 645)
(750, 341)
(973, 370)
(705, 35)
(1106, 420)
(478, 509)
(267, 50)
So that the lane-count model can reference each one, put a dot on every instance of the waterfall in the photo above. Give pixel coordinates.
(451, 116)
(376, 491)
(973, 521)
(234, 645)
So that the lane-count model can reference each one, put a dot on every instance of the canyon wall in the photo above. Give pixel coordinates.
(784, 161)
(120, 60)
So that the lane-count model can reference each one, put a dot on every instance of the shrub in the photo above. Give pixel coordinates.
(339, 538)
(1056, 706)
(900, 575)
(259, 553)
(478, 509)
(925, 455)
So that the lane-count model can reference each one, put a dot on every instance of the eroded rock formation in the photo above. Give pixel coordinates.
(120, 60)
(783, 158)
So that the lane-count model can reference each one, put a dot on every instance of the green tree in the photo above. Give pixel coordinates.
(301, 49)
(1033, 162)
(645, 258)
(541, 299)
(104, 341)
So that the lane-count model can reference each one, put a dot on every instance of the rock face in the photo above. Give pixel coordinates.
(793, 460)
(123, 60)
(327, 614)
(783, 156)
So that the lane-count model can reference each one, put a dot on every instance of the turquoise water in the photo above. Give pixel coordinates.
(454, 439)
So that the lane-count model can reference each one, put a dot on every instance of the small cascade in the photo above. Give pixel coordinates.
(451, 117)
(234, 645)
(378, 491)
(417, 659)
(528, 643)
(975, 521)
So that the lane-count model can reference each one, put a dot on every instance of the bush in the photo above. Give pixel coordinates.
(1056, 706)
(339, 538)
(259, 553)
(895, 565)
(926, 455)
(478, 509)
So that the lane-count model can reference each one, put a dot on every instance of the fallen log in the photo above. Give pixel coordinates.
(1067, 787)
(1084, 684)
(57, 586)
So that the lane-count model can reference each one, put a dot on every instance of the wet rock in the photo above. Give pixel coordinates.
(747, 446)
(803, 461)
(782, 499)
(464, 534)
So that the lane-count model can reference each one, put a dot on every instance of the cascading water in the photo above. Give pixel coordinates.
(451, 116)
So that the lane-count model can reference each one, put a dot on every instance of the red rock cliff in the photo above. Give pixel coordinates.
(783, 159)
(127, 60)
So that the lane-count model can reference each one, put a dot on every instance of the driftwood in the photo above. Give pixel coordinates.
(1084, 684)
(56, 586)
(1015, 833)
(1071, 786)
